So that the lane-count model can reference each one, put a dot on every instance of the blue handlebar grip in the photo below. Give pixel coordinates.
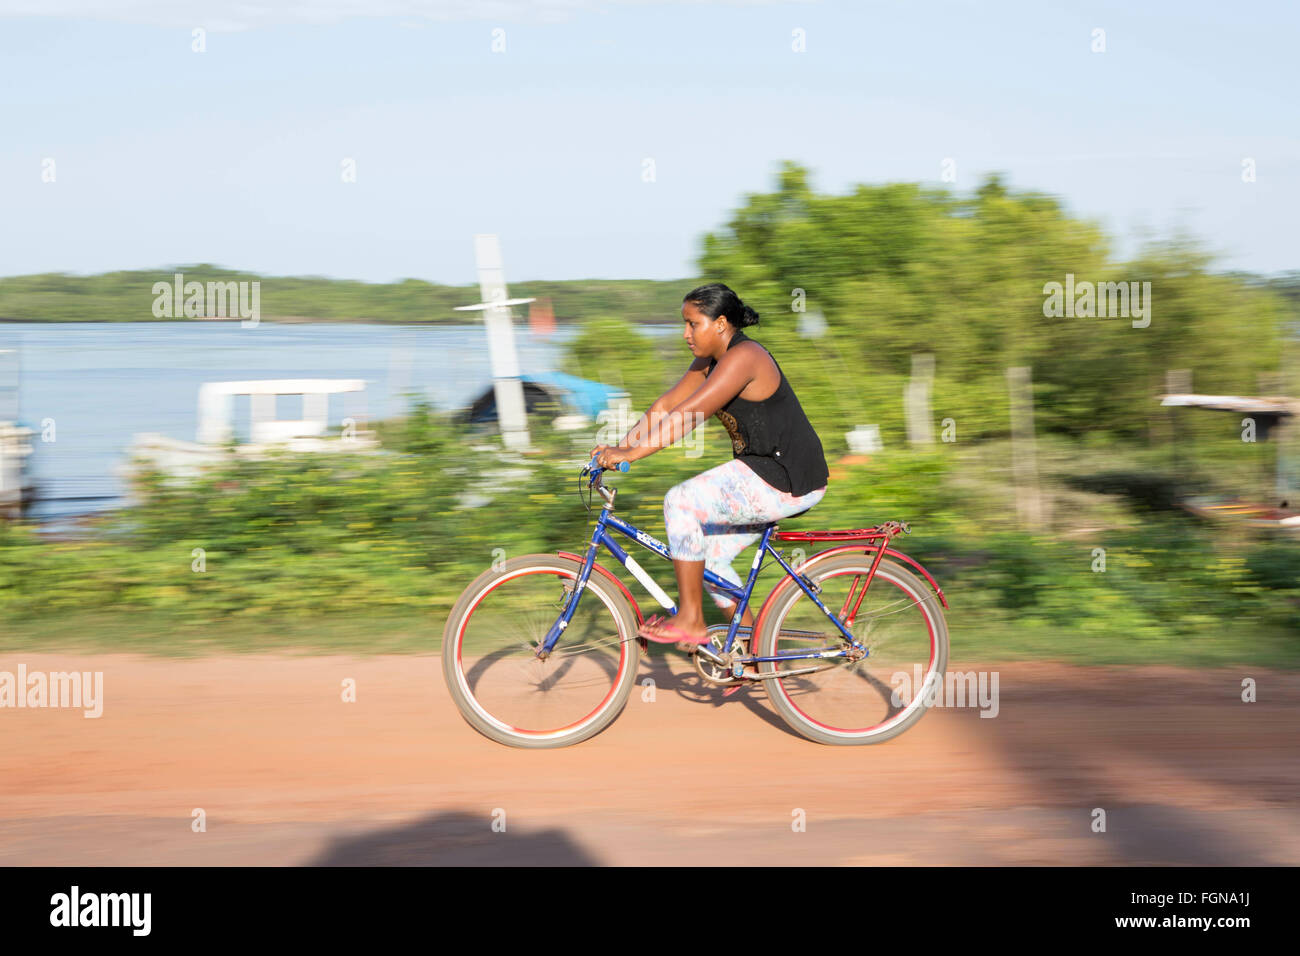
(621, 466)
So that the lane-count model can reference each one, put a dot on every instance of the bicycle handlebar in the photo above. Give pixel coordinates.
(594, 470)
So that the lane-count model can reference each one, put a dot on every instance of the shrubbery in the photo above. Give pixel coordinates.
(314, 535)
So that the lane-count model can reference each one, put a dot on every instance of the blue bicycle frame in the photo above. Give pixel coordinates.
(601, 536)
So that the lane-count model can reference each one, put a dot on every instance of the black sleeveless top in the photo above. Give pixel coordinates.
(774, 437)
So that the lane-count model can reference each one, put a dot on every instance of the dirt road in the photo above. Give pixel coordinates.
(286, 772)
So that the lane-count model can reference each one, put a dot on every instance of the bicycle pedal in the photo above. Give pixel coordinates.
(707, 652)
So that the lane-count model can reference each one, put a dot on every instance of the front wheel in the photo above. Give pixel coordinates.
(489, 653)
(838, 701)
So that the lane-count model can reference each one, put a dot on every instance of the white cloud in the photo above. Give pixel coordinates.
(221, 17)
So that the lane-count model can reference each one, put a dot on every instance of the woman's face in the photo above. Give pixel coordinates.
(702, 334)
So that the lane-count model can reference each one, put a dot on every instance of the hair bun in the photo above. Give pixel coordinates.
(716, 301)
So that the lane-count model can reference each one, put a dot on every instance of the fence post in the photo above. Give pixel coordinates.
(916, 400)
(1178, 381)
(1029, 505)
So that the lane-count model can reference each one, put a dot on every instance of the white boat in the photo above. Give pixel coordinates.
(215, 439)
(15, 441)
(15, 447)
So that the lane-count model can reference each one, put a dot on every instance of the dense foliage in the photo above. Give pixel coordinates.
(895, 270)
(901, 269)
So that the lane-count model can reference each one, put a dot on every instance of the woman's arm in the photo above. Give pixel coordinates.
(736, 369)
(689, 383)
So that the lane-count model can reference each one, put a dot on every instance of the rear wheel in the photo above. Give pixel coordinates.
(838, 701)
(489, 654)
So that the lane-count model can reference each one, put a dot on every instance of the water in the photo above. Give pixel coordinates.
(100, 384)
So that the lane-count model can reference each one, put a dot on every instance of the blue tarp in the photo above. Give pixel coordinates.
(587, 397)
(578, 394)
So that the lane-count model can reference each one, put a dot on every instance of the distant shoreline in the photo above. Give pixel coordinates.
(156, 296)
(299, 320)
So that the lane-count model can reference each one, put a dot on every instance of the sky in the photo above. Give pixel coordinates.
(123, 147)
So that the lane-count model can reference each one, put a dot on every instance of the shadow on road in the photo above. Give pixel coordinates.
(1128, 740)
(1174, 836)
(455, 839)
(689, 686)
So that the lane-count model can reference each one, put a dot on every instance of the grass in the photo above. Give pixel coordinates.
(165, 635)
(975, 636)
(1175, 591)
(983, 641)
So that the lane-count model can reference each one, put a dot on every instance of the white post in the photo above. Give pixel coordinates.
(316, 408)
(509, 388)
(1029, 505)
(261, 407)
(916, 398)
(215, 407)
(1178, 381)
(1288, 428)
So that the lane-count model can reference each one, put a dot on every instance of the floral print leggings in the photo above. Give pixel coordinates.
(720, 512)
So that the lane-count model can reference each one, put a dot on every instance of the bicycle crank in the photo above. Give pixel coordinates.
(713, 665)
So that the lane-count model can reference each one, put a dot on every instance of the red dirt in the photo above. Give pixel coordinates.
(287, 773)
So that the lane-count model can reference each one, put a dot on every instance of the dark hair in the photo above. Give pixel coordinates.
(716, 299)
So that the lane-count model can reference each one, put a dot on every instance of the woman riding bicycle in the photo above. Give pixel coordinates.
(778, 468)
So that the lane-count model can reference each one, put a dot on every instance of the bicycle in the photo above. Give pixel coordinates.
(530, 664)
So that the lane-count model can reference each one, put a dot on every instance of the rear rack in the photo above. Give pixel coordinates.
(886, 530)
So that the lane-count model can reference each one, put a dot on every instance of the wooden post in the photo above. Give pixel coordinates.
(1029, 505)
(1288, 429)
(916, 400)
(1178, 381)
(1285, 451)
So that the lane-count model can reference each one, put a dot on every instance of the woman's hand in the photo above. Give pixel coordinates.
(608, 456)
